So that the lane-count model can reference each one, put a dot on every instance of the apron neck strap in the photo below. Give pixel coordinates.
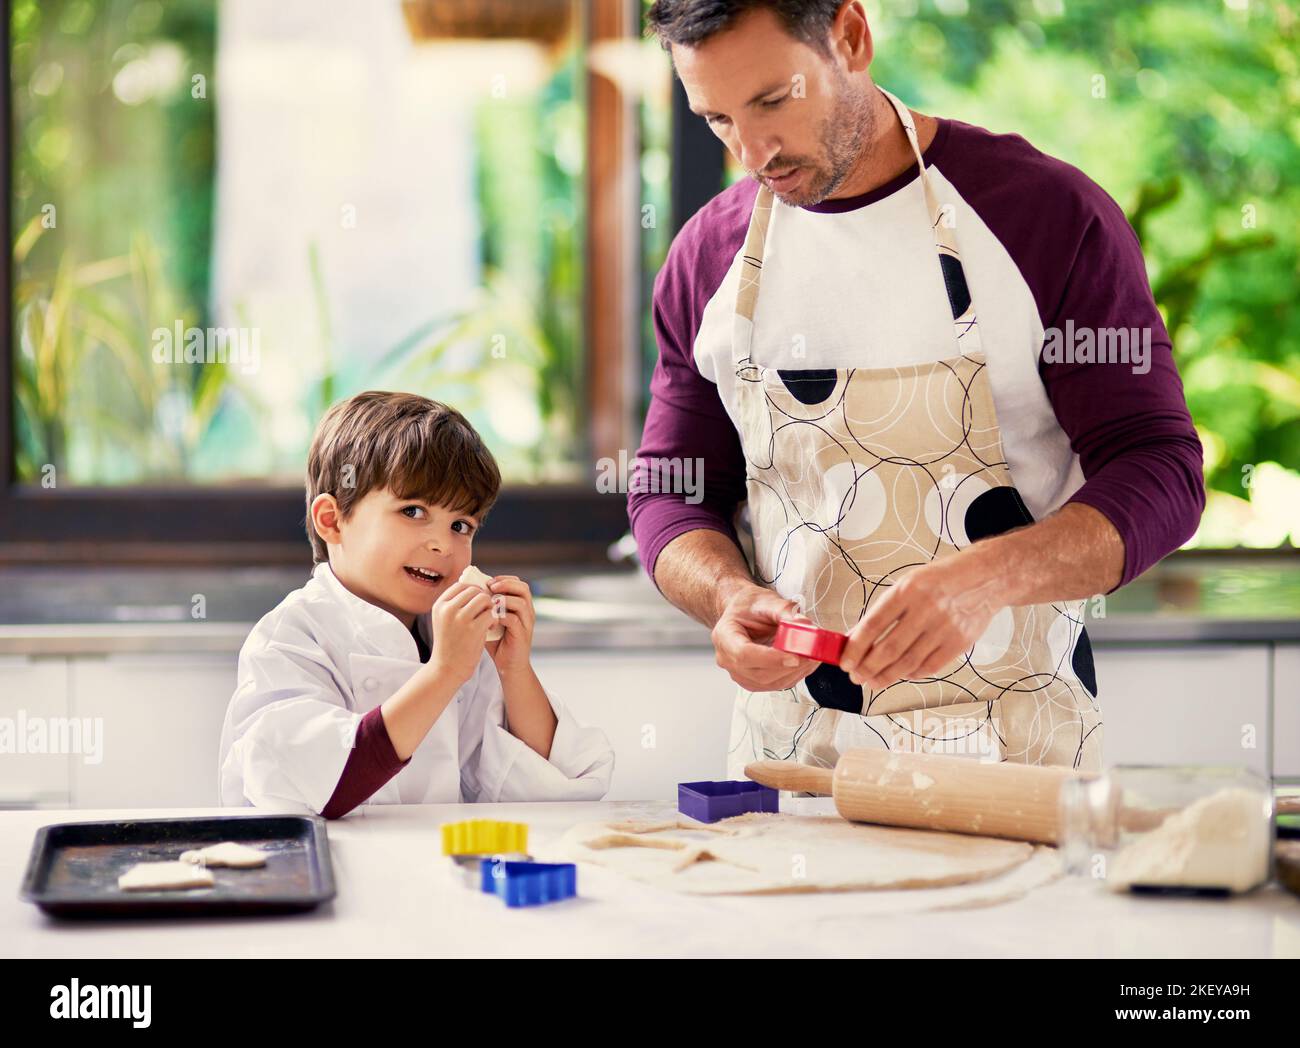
(909, 128)
(943, 223)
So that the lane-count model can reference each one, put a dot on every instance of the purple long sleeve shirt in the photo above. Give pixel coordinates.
(1047, 253)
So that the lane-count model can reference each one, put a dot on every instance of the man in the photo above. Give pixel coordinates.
(927, 359)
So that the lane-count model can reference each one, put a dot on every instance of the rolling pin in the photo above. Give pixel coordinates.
(931, 792)
(928, 791)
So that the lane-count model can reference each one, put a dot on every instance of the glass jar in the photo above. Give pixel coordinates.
(1182, 829)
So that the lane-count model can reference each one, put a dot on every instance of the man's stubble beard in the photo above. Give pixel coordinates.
(843, 135)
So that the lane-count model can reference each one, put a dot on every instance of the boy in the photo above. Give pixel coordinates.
(373, 682)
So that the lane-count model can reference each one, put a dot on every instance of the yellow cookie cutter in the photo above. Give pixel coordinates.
(483, 836)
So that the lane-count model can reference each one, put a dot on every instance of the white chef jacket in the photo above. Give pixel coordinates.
(313, 666)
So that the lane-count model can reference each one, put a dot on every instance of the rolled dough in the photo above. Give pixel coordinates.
(227, 853)
(474, 577)
(164, 876)
(770, 853)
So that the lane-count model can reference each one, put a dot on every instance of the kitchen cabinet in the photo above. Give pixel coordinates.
(1186, 704)
(34, 705)
(161, 717)
(667, 714)
(1286, 711)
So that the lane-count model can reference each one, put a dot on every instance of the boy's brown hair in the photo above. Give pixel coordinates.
(416, 447)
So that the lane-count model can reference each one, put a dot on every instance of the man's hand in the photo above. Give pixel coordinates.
(743, 635)
(704, 573)
(921, 624)
(938, 611)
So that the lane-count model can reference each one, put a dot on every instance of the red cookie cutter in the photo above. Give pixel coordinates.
(803, 638)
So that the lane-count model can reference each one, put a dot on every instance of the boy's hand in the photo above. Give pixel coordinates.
(461, 618)
(513, 610)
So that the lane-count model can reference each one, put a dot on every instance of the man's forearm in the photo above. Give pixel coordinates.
(1073, 554)
(699, 571)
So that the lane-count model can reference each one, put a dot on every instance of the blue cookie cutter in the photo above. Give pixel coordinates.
(529, 883)
(711, 801)
(470, 867)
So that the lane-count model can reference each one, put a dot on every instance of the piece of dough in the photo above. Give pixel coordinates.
(227, 853)
(164, 876)
(476, 578)
(768, 853)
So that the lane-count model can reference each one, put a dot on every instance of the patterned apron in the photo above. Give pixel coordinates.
(854, 478)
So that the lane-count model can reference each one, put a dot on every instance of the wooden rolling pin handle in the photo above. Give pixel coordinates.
(932, 792)
(790, 775)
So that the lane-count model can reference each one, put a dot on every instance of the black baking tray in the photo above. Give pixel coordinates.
(74, 866)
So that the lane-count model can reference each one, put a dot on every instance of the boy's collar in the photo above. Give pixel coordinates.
(381, 627)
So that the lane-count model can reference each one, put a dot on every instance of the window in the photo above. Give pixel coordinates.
(226, 217)
(470, 199)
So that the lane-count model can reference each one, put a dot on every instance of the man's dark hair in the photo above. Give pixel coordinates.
(691, 22)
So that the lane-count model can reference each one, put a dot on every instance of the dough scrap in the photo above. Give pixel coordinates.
(164, 876)
(474, 577)
(655, 825)
(227, 853)
(760, 853)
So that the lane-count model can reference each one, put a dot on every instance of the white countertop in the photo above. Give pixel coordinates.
(397, 897)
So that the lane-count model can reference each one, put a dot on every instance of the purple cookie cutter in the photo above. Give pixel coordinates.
(711, 801)
(529, 883)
